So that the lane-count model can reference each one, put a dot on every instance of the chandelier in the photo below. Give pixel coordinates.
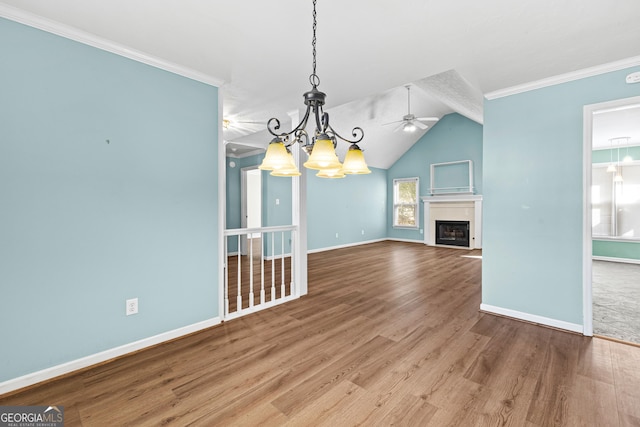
(321, 146)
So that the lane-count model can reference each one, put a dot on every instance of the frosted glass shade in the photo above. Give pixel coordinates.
(354, 162)
(611, 168)
(276, 157)
(409, 127)
(618, 178)
(289, 170)
(323, 156)
(331, 173)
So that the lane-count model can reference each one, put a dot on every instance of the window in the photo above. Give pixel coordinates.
(616, 205)
(405, 202)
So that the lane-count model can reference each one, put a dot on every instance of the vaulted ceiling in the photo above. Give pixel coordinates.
(367, 50)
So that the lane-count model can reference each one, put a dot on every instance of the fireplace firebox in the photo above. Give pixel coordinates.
(452, 233)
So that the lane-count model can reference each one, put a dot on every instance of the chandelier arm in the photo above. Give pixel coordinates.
(357, 133)
(322, 119)
(314, 100)
(276, 125)
(300, 133)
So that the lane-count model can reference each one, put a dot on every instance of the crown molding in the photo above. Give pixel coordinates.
(53, 27)
(564, 78)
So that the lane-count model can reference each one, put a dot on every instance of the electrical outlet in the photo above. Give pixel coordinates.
(277, 201)
(132, 306)
(336, 235)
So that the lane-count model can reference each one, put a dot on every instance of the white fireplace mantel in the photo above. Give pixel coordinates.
(454, 199)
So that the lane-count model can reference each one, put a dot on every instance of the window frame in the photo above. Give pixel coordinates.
(616, 205)
(397, 204)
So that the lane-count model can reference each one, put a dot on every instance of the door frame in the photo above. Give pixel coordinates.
(243, 205)
(587, 240)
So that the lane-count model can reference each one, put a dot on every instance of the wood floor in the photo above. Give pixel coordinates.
(390, 334)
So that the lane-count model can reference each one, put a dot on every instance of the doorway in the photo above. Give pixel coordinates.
(611, 250)
(250, 204)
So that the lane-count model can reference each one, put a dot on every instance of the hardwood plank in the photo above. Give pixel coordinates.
(318, 384)
(626, 372)
(595, 405)
(323, 410)
(551, 397)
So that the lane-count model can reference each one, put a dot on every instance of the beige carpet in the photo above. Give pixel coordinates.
(616, 300)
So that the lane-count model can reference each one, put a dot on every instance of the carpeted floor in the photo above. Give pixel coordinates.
(616, 300)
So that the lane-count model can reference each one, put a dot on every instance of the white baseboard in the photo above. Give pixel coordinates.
(611, 259)
(103, 356)
(554, 323)
(393, 239)
(330, 248)
(277, 257)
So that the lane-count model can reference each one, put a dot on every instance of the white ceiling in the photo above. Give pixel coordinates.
(451, 52)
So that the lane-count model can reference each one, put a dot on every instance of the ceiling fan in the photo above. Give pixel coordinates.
(410, 122)
(241, 126)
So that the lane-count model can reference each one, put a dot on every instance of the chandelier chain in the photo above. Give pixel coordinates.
(314, 77)
(314, 100)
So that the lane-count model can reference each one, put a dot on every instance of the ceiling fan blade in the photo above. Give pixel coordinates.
(419, 124)
(428, 119)
(401, 126)
(390, 123)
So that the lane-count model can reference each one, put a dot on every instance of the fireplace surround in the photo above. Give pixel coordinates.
(452, 208)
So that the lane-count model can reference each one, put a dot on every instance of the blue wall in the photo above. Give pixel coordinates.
(87, 224)
(532, 236)
(453, 138)
(346, 206)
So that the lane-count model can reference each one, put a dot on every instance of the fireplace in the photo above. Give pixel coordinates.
(452, 233)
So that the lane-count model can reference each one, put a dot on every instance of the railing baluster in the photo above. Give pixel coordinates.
(266, 249)
(283, 273)
(293, 243)
(261, 268)
(250, 242)
(273, 268)
(226, 276)
(239, 296)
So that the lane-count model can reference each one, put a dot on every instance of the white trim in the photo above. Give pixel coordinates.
(564, 78)
(247, 154)
(103, 356)
(587, 238)
(560, 324)
(417, 203)
(71, 33)
(587, 227)
(453, 198)
(277, 257)
(299, 263)
(222, 211)
(393, 239)
(477, 217)
(433, 191)
(612, 259)
(348, 245)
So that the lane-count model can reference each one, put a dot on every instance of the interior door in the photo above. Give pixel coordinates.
(251, 202)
